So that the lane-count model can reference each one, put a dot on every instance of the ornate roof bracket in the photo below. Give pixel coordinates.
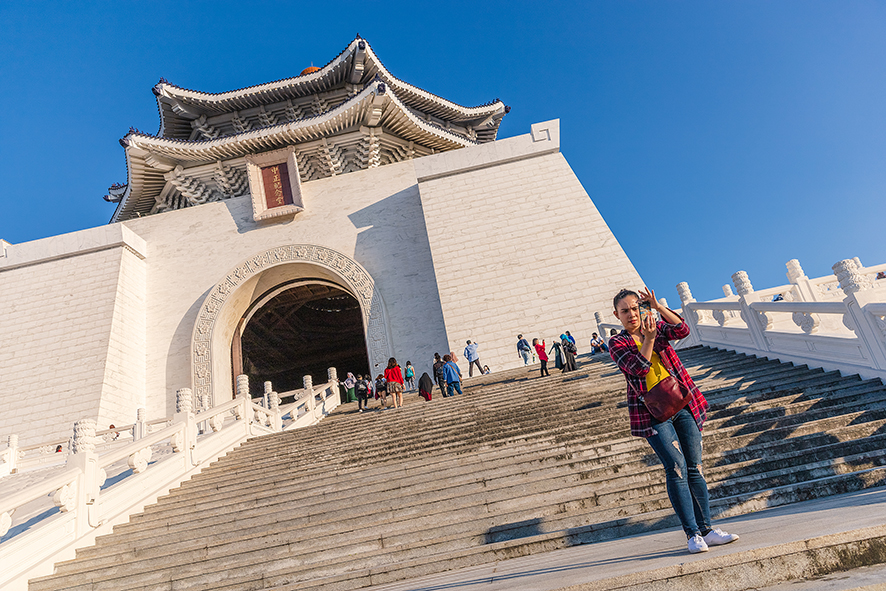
(375, 111)
(359, 60)
(191, 189)
(183, 110)
(158, 162)
(209, 132)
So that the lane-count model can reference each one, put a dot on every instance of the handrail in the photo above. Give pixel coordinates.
(40, 489)
(805, 307)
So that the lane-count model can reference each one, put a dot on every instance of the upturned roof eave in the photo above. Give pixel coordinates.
(327, 76)
(239, 144)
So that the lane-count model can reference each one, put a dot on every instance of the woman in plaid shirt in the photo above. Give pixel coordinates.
(644, 354)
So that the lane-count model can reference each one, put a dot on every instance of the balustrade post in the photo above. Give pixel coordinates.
(185, 440)
(140, 430)
(309, 392)
(9, 456)
(690, 316)
(274, 406)
(804, 288)
(89, 478)
(859, 292)
(756, 322)
(598, 318)
(243, 386)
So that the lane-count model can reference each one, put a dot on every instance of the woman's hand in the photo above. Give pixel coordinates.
(649, 327)
(649, 296)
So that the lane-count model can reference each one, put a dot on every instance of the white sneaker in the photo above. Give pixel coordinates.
(697, 544)
(718, 537)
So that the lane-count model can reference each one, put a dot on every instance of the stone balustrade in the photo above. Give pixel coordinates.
(836, 322)
(103, 476)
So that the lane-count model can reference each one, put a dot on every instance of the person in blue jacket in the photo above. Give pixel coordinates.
(452, 375)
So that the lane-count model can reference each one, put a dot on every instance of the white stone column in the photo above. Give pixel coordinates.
(755, 321)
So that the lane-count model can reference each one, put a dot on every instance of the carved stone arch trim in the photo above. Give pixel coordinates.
(353, 276)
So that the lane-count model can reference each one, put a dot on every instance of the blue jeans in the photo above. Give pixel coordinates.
(527, 356)
(451, 385)
(686, 485)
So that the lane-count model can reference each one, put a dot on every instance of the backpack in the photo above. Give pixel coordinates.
(410, 373)
(570, 347)
(361, 387)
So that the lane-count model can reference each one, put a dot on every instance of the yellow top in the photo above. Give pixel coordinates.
(657, 372)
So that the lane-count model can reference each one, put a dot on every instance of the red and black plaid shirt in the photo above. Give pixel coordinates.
(626, 354)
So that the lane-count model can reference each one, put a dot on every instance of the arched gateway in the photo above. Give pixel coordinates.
(257, 277)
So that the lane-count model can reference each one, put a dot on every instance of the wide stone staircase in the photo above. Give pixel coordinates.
(516, 466)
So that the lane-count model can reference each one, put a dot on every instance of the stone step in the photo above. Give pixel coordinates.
(528, 464)
(578, 486)
(569, 466)
(274, 565)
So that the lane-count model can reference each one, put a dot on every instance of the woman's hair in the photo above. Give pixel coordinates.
(408, 363)
(622, 295)
(392, 363)
(534, 341)
(447, 358)
(437, 356)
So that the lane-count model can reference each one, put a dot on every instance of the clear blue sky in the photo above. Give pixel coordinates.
(712, 136)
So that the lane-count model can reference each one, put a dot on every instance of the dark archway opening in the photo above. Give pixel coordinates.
(302, 331)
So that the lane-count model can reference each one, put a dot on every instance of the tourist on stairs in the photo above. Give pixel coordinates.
(394, 379)
(350, 383)
(381, 391)
(438, 374)
(568, 351)
(452, 375)
(542, 356)
(362, 389)
(644, 354)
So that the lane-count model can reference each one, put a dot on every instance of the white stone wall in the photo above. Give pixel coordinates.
(58, 298)
(518, 246)
(123, 388)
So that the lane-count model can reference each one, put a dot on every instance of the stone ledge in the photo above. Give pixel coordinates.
(543, 139)
(72, 244)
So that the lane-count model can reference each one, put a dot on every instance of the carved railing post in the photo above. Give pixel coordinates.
(332, 374)
(308, 382)
(757, 322)
(274, 406)
(859, 292)
(83, 491)
(727, 290)
(185, 440)
(690, 316)
(9, 456)
(243, 386)
(803, 290)
(140, 430)
(598, 318)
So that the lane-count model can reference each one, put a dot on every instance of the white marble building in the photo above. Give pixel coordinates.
(406, 228)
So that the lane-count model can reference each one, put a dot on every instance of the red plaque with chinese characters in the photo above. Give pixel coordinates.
(277, 189)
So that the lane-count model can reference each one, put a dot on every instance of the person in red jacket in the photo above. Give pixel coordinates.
(395, 382)
(542, 356)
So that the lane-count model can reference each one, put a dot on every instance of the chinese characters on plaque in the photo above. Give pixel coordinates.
(277, 189)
